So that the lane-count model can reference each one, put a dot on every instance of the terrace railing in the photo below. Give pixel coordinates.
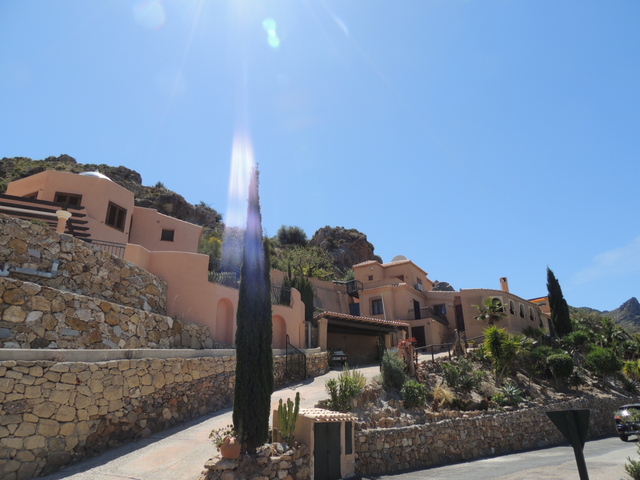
(224, 274)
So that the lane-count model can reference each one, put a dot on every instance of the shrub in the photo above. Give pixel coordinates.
(633, 467)
(480, 355)
(414, 394)
(461, 376)
(345, 389)
(392, 366)
(602, 361)
(509, 395)
(442, 397)
(537, 360)
(560, 365)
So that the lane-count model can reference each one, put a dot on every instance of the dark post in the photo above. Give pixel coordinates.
(574, 425)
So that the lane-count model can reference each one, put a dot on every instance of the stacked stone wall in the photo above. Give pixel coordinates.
(83, 268)
(272, 462)
(52, 413)
(35, 316)
(477, 435)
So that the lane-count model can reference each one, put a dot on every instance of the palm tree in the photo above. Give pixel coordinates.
(491, 310)
(503, 349)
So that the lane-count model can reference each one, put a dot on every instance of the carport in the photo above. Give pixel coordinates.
(362, 338)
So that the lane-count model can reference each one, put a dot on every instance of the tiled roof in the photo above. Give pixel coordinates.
(322, 415)
(344, 316)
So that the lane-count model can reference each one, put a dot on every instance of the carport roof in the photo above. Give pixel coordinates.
(368, 323)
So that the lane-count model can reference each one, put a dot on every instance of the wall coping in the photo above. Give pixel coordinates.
(102, 355)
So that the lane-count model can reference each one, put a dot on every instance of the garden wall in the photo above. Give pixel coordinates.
(35, 316)
(83, 269)
(55, 413)
(473, 435)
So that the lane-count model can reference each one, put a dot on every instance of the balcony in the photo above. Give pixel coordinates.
(32, 209)
(428, 312)
(224, 274)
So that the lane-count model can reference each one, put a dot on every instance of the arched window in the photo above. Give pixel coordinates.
(512, 307)
(522, 310)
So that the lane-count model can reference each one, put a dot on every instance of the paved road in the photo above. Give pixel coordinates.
(605, 461)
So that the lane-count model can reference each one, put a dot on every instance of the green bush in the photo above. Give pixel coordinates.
(414, 394)
(537, 359)
(345, 389)
(393, 376)
(560, 365)
(602, 361)
(633, 467)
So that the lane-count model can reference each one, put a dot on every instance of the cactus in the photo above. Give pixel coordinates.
(288, 415)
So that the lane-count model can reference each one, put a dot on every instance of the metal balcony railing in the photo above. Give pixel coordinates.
(224, 274)
(113, 248)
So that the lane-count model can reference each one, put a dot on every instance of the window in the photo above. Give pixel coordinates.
(116, 216)
(167, 235)
(33, 195)
(531, 315)
(68, 199)
(522, 310)
(376, 307)
(512, 307)
(440, 309)
(370, 278)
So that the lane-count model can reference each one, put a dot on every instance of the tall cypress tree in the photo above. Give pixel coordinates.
(254, 357)
(560, 317)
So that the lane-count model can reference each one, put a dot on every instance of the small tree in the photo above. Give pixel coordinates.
(291, 236)
(490, 311)
(254, 356)
(560, 318)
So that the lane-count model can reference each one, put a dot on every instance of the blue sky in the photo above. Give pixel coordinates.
(479, 139)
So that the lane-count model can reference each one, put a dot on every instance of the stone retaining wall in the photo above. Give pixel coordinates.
(56, 413)
(35, 316)
(479, 435)
(83, 269)
(272, 462)
(52, 414)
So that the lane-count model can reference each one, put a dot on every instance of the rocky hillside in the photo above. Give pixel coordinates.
(158, 197)
(626, 315)
(347, 247)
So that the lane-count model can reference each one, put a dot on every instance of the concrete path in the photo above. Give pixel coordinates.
(180, 453)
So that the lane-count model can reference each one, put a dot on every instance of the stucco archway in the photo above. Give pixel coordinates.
(224, 321)
(279, 332)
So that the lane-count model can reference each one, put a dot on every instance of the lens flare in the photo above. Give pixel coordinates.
(242, 164)
(269, 25)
